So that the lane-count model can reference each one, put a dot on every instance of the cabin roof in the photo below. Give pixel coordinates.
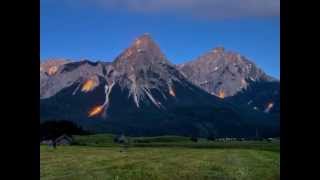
(64, 136)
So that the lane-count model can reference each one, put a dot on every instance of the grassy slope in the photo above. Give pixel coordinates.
(101, 159)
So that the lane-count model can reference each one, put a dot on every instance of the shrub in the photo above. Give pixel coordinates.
(55, 128)
(194, 139)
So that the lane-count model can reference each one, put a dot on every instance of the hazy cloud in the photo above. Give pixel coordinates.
(212, 9)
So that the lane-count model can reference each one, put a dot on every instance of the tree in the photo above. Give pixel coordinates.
(194, 139)
(55, 128)
(211, 138)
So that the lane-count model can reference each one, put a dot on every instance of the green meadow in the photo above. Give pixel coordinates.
(96, 157)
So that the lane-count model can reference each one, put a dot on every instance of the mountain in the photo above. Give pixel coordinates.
(50, 66)
(66, 74)
(141, 93)
(232, 76)
(261, 96)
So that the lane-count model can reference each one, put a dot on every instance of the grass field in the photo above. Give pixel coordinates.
(166, 158)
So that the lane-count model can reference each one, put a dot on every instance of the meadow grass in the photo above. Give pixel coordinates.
(161, 162)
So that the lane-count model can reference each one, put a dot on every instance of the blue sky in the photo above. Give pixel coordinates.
(102, 29)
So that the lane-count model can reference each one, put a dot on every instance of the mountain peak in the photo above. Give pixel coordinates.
(226, 71)
(146, 36)
(218, 49)
(142, 51)
(144, 42)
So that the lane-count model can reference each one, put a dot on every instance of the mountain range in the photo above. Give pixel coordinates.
(141, 93)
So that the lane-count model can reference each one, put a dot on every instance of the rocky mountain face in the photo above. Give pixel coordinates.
(50, 66)
(232, 76)
(222, 73)
(263, 96)
(66, 74)
(142, 93)
(143, 68)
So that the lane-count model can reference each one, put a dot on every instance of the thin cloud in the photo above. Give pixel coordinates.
(211, 9)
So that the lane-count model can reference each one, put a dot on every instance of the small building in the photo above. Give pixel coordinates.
(64, 140)
(121, 139)
(46, 142)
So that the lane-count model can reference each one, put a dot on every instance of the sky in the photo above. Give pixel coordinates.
(184, 29)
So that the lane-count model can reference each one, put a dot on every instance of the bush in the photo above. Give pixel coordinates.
(211, 138)
(55, 128)
(194, 139)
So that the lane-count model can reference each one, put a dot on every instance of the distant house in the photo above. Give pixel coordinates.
(64, 140)
(121, 139)
(46, 142)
